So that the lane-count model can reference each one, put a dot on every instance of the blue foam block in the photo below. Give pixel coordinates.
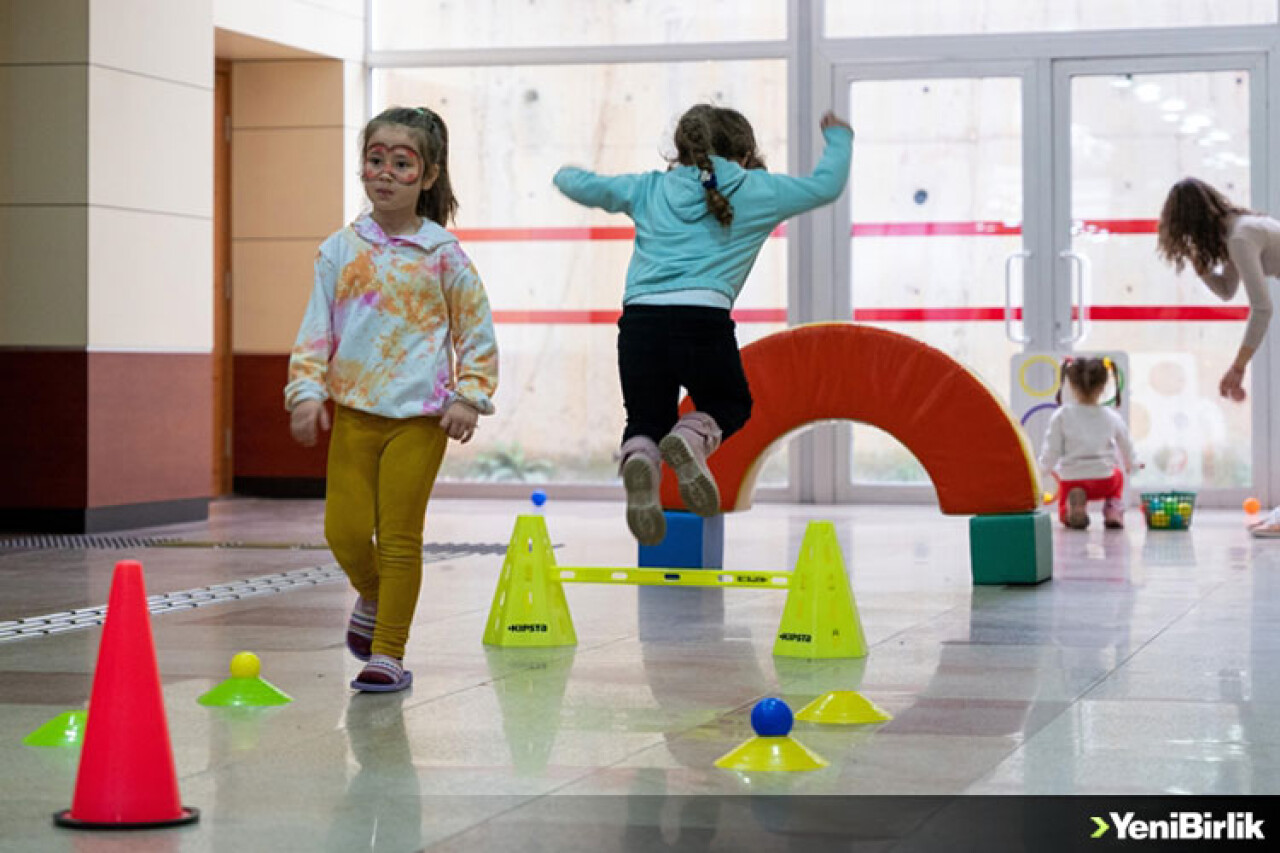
(692, 542)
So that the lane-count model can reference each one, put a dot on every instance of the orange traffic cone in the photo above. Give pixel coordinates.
(126, 778)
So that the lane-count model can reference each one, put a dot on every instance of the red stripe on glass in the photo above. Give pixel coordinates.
(859, 229)
(530, 235)
(930, 315)
(609, 317)
(935, 229)
(1117, 226)
(1101, 313)
(559, 317)
(536, 235)
(1199, 313)
(996, 229)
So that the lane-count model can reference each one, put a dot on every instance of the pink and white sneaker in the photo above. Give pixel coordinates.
(686, 448)
(641, 474)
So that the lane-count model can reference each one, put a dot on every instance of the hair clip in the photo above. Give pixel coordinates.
(1106, 362)
(708, 178)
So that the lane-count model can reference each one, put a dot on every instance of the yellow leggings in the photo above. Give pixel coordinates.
(381, 471)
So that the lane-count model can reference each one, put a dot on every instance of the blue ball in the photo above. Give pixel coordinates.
(771, 718)
(538, 497)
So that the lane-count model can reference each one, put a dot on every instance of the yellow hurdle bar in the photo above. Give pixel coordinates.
(675, 577)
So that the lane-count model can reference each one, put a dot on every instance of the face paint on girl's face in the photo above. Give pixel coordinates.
(401, 162)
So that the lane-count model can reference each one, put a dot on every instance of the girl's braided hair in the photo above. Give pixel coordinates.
(704, 130)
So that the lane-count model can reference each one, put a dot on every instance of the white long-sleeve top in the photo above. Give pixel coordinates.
(1253, 246)
(1085, 442)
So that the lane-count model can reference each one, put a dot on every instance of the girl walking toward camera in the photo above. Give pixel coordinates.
(399, 336)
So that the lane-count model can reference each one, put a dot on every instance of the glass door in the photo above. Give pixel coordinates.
(1125, 131)
(935, 220)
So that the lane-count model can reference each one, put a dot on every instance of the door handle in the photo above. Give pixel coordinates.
(1008, 295)
(1079, 309)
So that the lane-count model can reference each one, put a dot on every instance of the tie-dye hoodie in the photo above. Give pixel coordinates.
(388, 319)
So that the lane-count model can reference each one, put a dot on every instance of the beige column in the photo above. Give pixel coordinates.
(295, 125)
(105, 262)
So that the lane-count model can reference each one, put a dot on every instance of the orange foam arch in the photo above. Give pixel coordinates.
(964, 436)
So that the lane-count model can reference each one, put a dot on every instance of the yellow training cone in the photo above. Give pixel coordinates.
(529, 608)
(820, 619)
(843, 707)
(771, 749)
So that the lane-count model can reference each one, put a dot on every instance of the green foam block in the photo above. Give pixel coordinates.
(1008, 549)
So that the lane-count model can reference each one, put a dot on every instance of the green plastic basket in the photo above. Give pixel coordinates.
(1168, 510)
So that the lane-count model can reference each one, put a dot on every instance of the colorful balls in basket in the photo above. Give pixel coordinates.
(1168, 510)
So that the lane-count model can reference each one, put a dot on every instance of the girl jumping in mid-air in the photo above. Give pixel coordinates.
(699, 226)
(398, 335)
(1082, 445)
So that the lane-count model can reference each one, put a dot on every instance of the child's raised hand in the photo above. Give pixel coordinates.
(830, 119)
(306, 420)
(459, 421)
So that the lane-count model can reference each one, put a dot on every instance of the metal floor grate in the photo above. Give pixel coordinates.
(221, 593)
(78, 542)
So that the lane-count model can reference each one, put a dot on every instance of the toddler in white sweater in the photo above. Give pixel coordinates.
(1085, 446)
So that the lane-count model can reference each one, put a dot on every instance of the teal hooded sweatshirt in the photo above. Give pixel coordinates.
(679, 244)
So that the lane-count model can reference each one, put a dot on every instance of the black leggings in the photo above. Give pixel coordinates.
(664, 347)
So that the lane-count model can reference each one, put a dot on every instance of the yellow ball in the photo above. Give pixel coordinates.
(1048, 497)
(1184, 508)
(1160, 519)
(1252, 505)
(245, 665)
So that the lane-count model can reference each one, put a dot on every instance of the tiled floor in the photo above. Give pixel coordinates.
(1148, 665)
